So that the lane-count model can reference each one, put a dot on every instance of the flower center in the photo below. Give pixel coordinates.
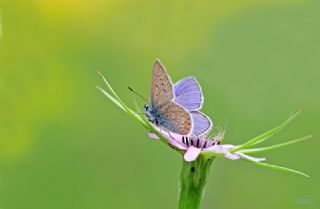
(198, 142)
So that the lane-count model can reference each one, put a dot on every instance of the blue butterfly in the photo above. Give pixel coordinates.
(176, 107)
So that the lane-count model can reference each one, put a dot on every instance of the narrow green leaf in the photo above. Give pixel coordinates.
(262, 149)
(109, 86)
(116, 99)
(265, 135)
(114, 93)
(124, 108)
(280, 168)
(137, 117)
(112, 98)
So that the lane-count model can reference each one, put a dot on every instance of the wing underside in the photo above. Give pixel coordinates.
(188, 94)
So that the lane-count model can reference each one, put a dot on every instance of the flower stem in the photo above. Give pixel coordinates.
(193, 179)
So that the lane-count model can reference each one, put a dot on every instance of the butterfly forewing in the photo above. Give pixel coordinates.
(175, 118)
(161, 85)
(188, 94)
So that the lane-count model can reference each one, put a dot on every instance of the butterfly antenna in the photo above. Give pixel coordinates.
(136, 93)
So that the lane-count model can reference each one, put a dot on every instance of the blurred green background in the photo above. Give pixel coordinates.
(64, 145)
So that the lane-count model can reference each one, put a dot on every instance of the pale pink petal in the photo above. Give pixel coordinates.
(232, 156)
(220, 148)
(170, 135)
(171, 140)
(177, 144)
(152, 135)
(250, 158)
(192, 154)
(225, 149)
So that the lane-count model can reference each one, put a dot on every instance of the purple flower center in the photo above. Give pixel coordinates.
(198, 142)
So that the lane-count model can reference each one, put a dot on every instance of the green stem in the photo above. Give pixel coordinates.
(193, 179)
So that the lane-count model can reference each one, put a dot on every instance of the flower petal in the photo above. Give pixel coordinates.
(170, 139)
(152, 135)
(192, 153)
(225, 149)
(250, 158)
(232, 156)
(220, 148)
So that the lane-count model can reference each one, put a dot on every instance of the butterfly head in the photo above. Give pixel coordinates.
(150, 113)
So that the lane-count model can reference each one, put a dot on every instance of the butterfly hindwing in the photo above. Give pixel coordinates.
(201, 123)
(161, 85)
(175, 118)
(188, 94)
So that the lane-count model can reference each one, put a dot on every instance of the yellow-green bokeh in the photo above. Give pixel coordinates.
(64, 145)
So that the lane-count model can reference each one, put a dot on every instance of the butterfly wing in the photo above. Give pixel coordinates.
(188, 94)
(174, 115)
(175, 118)
(161, 85)
(201, 123)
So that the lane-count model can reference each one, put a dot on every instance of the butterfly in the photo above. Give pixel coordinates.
(176, 107)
